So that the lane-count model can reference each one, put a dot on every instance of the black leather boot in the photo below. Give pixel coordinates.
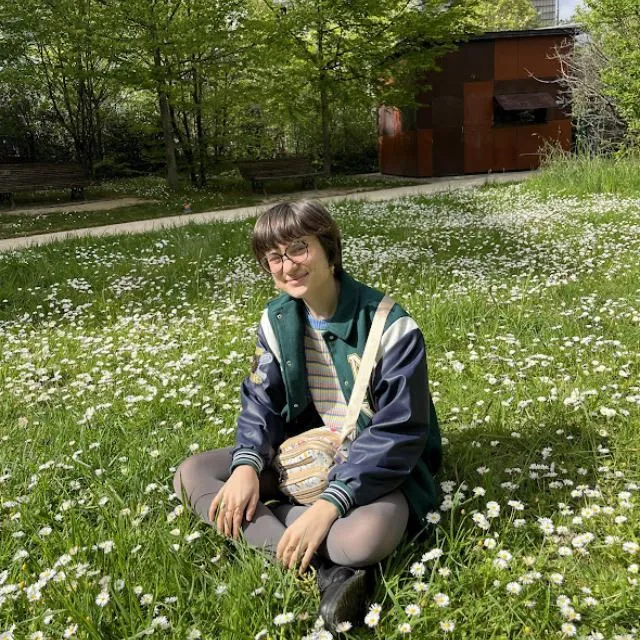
(344, 593)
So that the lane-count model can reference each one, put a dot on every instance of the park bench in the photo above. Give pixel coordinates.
(40, 176)
(261, 171)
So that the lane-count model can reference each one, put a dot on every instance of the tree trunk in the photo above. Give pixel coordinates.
(201, 141)
(167, 128)
(326, 136)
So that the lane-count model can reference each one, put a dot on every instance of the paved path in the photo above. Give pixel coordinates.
(435, 185)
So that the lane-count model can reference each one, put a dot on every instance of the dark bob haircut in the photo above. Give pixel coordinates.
(285, 222)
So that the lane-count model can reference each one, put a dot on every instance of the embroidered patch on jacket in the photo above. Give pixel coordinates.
(261, 357)
(256, 359)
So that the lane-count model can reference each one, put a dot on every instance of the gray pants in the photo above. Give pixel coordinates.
(365, 535)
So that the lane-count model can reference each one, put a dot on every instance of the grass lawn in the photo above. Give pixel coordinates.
(223, 192)
(119, 357)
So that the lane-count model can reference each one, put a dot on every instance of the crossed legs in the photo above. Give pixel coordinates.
(366, 535)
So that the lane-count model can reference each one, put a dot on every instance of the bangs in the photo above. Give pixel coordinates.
(283, 223)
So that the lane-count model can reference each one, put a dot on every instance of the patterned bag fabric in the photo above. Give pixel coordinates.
(304, 461)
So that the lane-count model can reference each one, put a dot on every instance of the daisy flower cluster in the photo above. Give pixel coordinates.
(122, 356)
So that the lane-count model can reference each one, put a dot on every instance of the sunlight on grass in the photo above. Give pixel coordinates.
(121, 356)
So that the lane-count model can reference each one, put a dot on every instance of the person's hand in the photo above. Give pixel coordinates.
(236, 500)
(303, 537)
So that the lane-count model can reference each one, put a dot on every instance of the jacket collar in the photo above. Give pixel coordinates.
(342, 321)
(344, 317)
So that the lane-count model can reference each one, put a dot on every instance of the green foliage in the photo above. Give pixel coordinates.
(584, 175)
(64, 49)
(189, 82)
(614, 25)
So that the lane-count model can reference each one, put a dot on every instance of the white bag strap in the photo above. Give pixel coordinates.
(366, 366)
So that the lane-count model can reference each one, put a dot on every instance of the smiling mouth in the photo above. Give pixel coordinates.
(298, 278)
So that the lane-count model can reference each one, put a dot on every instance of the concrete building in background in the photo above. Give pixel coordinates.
(548, 11)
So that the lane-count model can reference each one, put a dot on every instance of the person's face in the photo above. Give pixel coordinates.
(307, 275)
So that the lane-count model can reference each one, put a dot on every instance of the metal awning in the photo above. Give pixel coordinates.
(525, 101)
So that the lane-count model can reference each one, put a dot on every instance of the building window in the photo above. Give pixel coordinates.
(521, 108)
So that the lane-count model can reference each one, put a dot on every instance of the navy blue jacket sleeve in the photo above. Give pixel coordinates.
(385, 453)
(260, 425)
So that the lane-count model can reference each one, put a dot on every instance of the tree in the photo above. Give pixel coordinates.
(614, 28)
(377, 47)
(179, 49)
(65, 47)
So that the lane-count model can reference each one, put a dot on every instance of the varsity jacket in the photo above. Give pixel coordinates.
(397, 444)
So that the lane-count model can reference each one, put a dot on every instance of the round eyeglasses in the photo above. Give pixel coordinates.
(273, 261)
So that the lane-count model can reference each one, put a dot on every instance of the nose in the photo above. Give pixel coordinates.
(288, 264)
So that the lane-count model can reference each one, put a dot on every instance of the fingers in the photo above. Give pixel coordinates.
(214, 505)
(251, 508)
(236, 523)
(306, 559)
(220, 519)
(290, 549)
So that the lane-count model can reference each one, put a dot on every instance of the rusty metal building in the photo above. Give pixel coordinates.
(490, 108)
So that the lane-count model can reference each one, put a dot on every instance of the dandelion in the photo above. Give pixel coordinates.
(417, 569)
(102, 599)
(493, 509)
(433, 517)
(343, 627)
(412, 610)
(404, 628)
(70, 631)
(568, 629)
(447, 625)
(146, 599)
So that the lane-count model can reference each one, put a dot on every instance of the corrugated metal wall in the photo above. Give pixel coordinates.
(454, 132)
